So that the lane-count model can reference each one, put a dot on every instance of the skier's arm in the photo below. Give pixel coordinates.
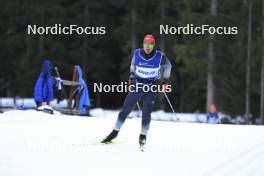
(132, 69)
(166, 68)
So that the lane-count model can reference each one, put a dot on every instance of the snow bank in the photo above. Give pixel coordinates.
(29, 102)
(156, 115)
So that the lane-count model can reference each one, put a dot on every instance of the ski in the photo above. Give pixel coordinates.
(68, 111)
(107, 143)
(46, 109)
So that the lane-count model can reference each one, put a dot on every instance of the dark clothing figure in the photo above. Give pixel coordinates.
(147, 66)
(147, 97)
(43, 91)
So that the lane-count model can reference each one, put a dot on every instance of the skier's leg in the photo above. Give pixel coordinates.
(130, 101)
(148, 102)
(128, 105)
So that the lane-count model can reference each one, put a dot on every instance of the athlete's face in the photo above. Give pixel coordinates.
(212, 108)
(148, 48)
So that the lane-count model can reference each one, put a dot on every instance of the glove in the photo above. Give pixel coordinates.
(130, 81)
(165, 85)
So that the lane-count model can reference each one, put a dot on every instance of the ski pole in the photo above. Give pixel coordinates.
(174, 114)
(139, 111)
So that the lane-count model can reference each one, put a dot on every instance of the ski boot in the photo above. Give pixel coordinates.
(108, 139)
(142, 142)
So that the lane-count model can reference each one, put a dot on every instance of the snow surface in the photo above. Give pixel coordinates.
(39, 144)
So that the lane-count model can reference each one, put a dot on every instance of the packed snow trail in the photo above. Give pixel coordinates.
(35, 143)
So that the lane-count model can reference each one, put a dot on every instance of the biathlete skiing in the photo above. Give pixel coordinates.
(148, 67)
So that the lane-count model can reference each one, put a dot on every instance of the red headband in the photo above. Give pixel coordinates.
(149, 39)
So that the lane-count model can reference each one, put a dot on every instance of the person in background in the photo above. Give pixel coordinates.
(82, 94)
(43, 91)
(212, 116)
